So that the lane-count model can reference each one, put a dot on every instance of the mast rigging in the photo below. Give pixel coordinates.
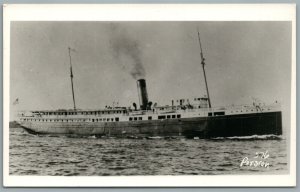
(71, 75)
(203, 63)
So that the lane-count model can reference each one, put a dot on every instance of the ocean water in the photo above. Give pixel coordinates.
(48, 155)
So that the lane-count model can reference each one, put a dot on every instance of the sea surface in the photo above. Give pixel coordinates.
(49, 155)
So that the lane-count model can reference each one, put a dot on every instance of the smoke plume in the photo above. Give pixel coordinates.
(127, 50)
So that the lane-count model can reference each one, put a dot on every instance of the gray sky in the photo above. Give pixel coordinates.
(243, 60)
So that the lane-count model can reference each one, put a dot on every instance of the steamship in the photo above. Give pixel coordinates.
(190, 118)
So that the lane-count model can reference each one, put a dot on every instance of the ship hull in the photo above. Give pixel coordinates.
(202, 127)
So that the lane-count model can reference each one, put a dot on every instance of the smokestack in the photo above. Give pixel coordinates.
(142, 91)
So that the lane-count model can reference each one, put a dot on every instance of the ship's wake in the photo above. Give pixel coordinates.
(252, 137)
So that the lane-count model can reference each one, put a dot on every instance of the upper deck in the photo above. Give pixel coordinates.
(157, 113)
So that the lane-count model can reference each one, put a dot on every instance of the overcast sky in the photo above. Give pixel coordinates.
(243, 60)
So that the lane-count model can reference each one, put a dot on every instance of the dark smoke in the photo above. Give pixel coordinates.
(124, 45)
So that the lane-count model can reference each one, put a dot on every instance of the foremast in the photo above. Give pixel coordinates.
(71, 75)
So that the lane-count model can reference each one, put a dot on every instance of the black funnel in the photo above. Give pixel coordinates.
(142, 91)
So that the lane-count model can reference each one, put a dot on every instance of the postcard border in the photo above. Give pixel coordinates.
(30, 13)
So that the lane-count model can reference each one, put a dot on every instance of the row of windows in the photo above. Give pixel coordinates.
(159, 117)
(249, 110)
(136, 118)
(169, 116)
(83, 113)
(72, 120)
(101, 119)
(199, 106)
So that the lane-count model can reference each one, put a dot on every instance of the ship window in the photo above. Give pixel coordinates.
(209, 114)
(135, 118)
(168, 116)
(178, 116)
(140, 118)
(161, 117)
(93, 120)
(107, 119)
(112, 119)
(173, 116)
(149, 117)
(130, 118)
(117, 118)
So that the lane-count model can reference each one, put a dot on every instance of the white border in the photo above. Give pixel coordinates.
(147, 12)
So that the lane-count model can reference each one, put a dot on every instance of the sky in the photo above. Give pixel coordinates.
(244, 60)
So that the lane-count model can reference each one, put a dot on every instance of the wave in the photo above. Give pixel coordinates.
(252, 137)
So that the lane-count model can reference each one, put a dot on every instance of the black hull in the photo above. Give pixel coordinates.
(239, 125)
(203, 127)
